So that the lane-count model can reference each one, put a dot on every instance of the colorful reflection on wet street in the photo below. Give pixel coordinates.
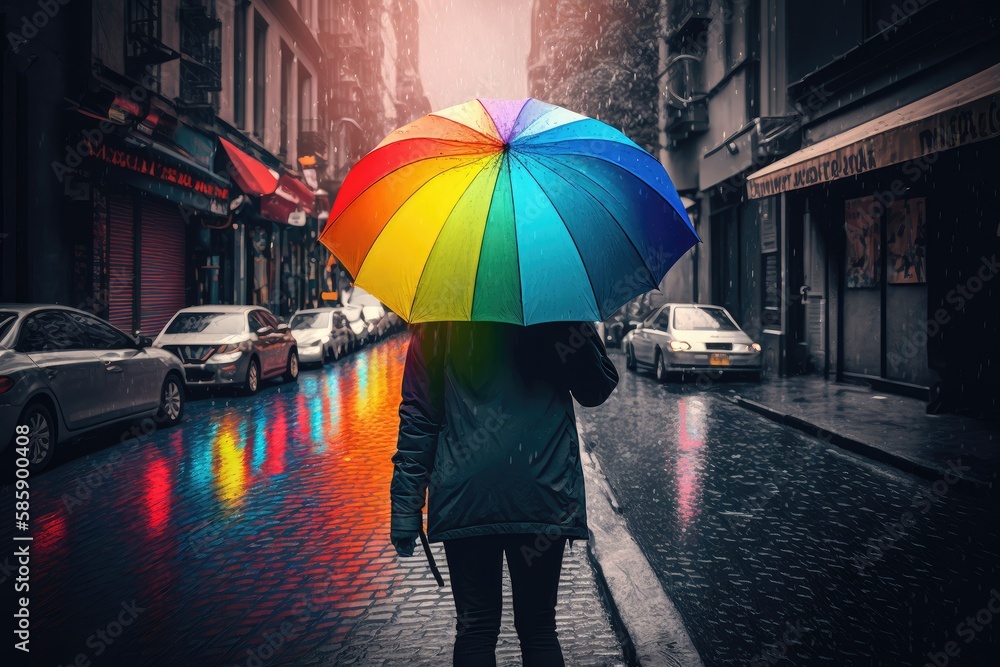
(256, 527)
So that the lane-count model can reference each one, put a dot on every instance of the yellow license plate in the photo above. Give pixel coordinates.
(718, 359)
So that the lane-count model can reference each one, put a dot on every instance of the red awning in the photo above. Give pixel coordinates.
(290, 195)
(252, 175)
(293, 189)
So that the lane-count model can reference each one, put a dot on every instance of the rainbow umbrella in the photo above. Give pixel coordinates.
(508, 211)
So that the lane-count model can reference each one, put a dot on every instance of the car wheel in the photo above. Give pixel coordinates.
(292, 369)
(41, 444)
(630, 358)
(661, 367)
(171, 401)
(252, 383)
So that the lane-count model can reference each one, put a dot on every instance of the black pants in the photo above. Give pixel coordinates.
(475, 565)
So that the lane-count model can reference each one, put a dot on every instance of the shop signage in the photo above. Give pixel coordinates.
(297, 219)
(155, 169)
(974, 121)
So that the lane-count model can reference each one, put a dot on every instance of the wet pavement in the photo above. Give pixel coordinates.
(897, 426)
(778, 548)
(256, 533)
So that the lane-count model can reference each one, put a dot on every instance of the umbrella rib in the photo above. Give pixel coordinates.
(492, 141)
(402, 204)
(590, 279)
(554, 153)
(487, 114)
(555, 157)
(517, 262)
(436, 237)
(396, 145)
(642, 259)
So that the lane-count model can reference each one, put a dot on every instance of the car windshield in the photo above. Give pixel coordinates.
(208, 323)
(310, 321)
(7, 320)
(702, 319)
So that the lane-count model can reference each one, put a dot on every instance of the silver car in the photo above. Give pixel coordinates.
(64, 372)
(238, 346)
(679, 338)
(322, 334)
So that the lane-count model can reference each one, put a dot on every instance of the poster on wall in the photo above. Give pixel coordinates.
(864, 249)
(906, 242)
(768, 227)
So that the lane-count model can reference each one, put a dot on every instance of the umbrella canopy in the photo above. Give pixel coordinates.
(508, 211)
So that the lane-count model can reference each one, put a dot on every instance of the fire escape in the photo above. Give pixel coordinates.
(686, 101)
(201, 58)
(144, 47)
(354, 108)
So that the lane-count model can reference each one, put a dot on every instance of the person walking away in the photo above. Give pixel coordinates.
(488, 432)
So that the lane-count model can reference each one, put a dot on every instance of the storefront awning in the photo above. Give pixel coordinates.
(291, 195)
(296, 191)
(164, 172)
(964, 113)
(252, 175)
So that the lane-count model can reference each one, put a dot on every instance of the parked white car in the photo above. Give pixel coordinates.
(231, 345)
(677, 338)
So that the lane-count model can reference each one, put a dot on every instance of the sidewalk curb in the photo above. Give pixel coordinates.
(646, 622)
(857, 446)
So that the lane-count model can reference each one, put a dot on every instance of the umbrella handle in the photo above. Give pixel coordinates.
(430, 557)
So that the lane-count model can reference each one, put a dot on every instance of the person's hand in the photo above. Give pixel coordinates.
(404, 545)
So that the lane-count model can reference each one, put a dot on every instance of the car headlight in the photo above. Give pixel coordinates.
(679, 345)
(755, 346)
(315, 343)
(226, 354)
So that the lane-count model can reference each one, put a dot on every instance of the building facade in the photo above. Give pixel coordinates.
(372, 76)
(164, 153)
(842, 204)
(833, 157)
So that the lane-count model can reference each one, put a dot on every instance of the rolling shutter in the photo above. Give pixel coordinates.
(162, 264)
(121, 249)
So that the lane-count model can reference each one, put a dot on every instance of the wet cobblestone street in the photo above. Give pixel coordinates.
(256, 533)
(781, 549)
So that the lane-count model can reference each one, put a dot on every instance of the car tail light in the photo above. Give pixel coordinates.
(5, 383)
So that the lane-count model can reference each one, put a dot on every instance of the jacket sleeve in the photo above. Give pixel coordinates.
(590, 371)
(420, 419)
(572, 356)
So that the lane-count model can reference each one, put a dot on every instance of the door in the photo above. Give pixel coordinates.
(121, 262)
(659, 335)
(280, 343)
(642, 342)
(133, 377)
(73, 372)
(161, 265)
(264, 344)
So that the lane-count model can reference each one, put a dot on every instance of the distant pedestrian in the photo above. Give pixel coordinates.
(487, 430)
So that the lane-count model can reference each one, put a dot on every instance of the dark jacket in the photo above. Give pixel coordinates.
(487, 428)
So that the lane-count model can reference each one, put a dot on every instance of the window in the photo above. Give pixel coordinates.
(663, 320)
(259, 75)
(209, 323)
(240, 65)
(703, 319)
(7, 320)
(257, 321)
(310, 321)
(50, 331)
(102, 336)
(650, 318)
(287, 86)
(269, 319)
